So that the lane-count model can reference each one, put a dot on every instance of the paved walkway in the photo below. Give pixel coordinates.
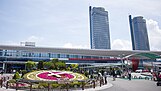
(98, 88)
(133, 85)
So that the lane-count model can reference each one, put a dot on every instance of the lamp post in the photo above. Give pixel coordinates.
(127, 63)
(4, 64)
(122, 61)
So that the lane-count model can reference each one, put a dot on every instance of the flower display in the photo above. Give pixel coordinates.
(54, 75)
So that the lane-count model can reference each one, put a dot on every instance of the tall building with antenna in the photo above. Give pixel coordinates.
(99, 28)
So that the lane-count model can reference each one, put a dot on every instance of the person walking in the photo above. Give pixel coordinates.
(114, 74)
(105, 77)
(129, 74)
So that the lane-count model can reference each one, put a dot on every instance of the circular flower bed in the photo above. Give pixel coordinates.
(53, 75)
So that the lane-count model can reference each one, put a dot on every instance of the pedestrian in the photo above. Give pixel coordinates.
(105, 77)
(2, 72)
(114, 74)
(99, 75)
(129, 74)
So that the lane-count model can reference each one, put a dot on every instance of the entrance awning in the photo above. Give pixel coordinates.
(149, 55)
(144, 56)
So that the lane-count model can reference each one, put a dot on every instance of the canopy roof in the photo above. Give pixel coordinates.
(89, 52)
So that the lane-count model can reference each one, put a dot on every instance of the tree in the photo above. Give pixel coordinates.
(68, 68)
(74, 66)
(16, 76)
(60, 65)
(30, 65)
(54, 62)
(23, 72)
(40, 64)
(47, 65)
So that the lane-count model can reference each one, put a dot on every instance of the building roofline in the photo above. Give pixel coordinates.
(93, 52)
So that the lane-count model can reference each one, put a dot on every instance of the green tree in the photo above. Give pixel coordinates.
(54, 62)
(23, 72)
(30, 65)
(47, 65)
(68, 68)
(60, 65)
(16, 76)
(40, 64)
(74, 66)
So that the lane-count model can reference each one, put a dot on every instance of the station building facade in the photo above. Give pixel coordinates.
(15, 57)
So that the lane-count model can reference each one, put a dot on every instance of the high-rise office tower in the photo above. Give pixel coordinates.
(139, 35)
(99, 28)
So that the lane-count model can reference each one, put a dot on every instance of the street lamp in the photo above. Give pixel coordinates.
(127, 63)
(122, 61)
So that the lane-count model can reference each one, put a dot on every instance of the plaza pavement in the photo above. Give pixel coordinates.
(133, 85)
(98, 88)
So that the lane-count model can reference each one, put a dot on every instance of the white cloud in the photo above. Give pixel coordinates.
(69, 45)
(154, 33)
(119, 44)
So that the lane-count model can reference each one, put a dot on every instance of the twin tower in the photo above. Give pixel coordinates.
(100, 35)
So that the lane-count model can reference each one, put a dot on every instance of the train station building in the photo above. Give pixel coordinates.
(15, 57)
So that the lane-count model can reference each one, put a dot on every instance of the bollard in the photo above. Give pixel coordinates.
(67, 87)
(48, 86)
(82, 85)
(4, 79)
(30, 86)
(16, 86)
(1, 82)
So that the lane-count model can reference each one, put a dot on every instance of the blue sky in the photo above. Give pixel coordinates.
(65, 23)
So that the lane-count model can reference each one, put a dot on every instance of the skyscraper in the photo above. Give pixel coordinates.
(99, 28)
(139, 35)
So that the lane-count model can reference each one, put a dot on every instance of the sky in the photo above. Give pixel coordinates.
(65, 23)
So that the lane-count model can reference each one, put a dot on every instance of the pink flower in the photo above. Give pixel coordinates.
(54, 75)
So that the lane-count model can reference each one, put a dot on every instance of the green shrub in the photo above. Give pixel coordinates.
(16, 76)
(35, 86)
(12, 81)
(23, 72)
(54, 85)
(86, 74)
(75, 83)
(43, 85)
